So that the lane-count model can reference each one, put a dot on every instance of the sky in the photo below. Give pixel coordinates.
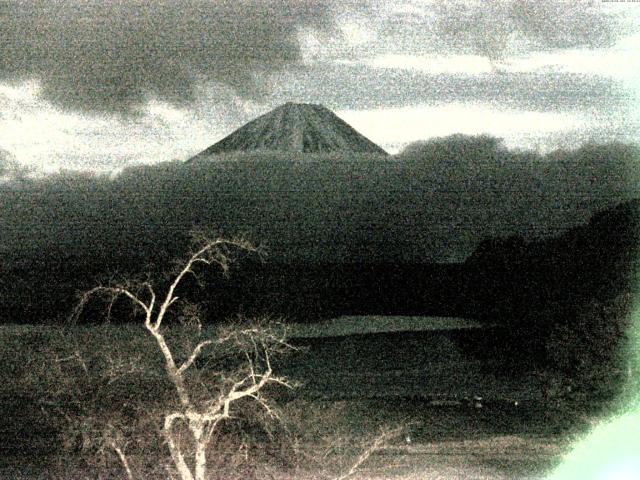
(99, 85)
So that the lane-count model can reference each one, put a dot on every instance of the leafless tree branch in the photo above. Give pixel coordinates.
(256, 342)
(376, 445)
(194, 355)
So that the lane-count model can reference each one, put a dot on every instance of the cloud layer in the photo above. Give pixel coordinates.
(491, 28)
(114, 56)
(434, 201)
(118, 82)
(496, 28)
(10, 170)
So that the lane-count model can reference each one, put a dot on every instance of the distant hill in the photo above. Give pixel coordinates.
(295, 128)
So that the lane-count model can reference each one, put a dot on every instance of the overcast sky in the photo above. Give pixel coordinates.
(99, 85)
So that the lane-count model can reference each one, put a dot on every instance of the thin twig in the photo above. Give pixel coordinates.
(376, 445)
(123, 460)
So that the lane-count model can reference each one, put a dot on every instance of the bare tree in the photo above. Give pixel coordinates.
(198, 414)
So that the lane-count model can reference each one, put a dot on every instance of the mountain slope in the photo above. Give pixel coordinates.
(295, 127)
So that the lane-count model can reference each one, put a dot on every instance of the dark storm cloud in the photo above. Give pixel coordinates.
(366, 87)
(111, 56)
(491, 28)
(495, 27)
(478, 185)
(434, 201)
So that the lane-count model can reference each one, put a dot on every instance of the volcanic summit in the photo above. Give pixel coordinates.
(295, 128)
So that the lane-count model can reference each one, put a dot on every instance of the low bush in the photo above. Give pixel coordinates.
(586, 356)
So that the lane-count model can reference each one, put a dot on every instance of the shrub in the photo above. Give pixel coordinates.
(586, 356)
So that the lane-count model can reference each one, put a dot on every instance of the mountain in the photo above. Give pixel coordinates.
(295, 128)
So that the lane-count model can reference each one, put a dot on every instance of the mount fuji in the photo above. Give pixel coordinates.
(295, 128)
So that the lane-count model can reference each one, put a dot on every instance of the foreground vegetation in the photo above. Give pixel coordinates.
(93, 386)
(172, 398)
(191, 404)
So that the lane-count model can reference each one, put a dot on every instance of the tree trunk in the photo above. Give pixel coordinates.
(201, 451)
(176, 453)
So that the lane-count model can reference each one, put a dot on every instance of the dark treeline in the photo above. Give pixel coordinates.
(562, 301)
(561, 294)
(343, 235)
